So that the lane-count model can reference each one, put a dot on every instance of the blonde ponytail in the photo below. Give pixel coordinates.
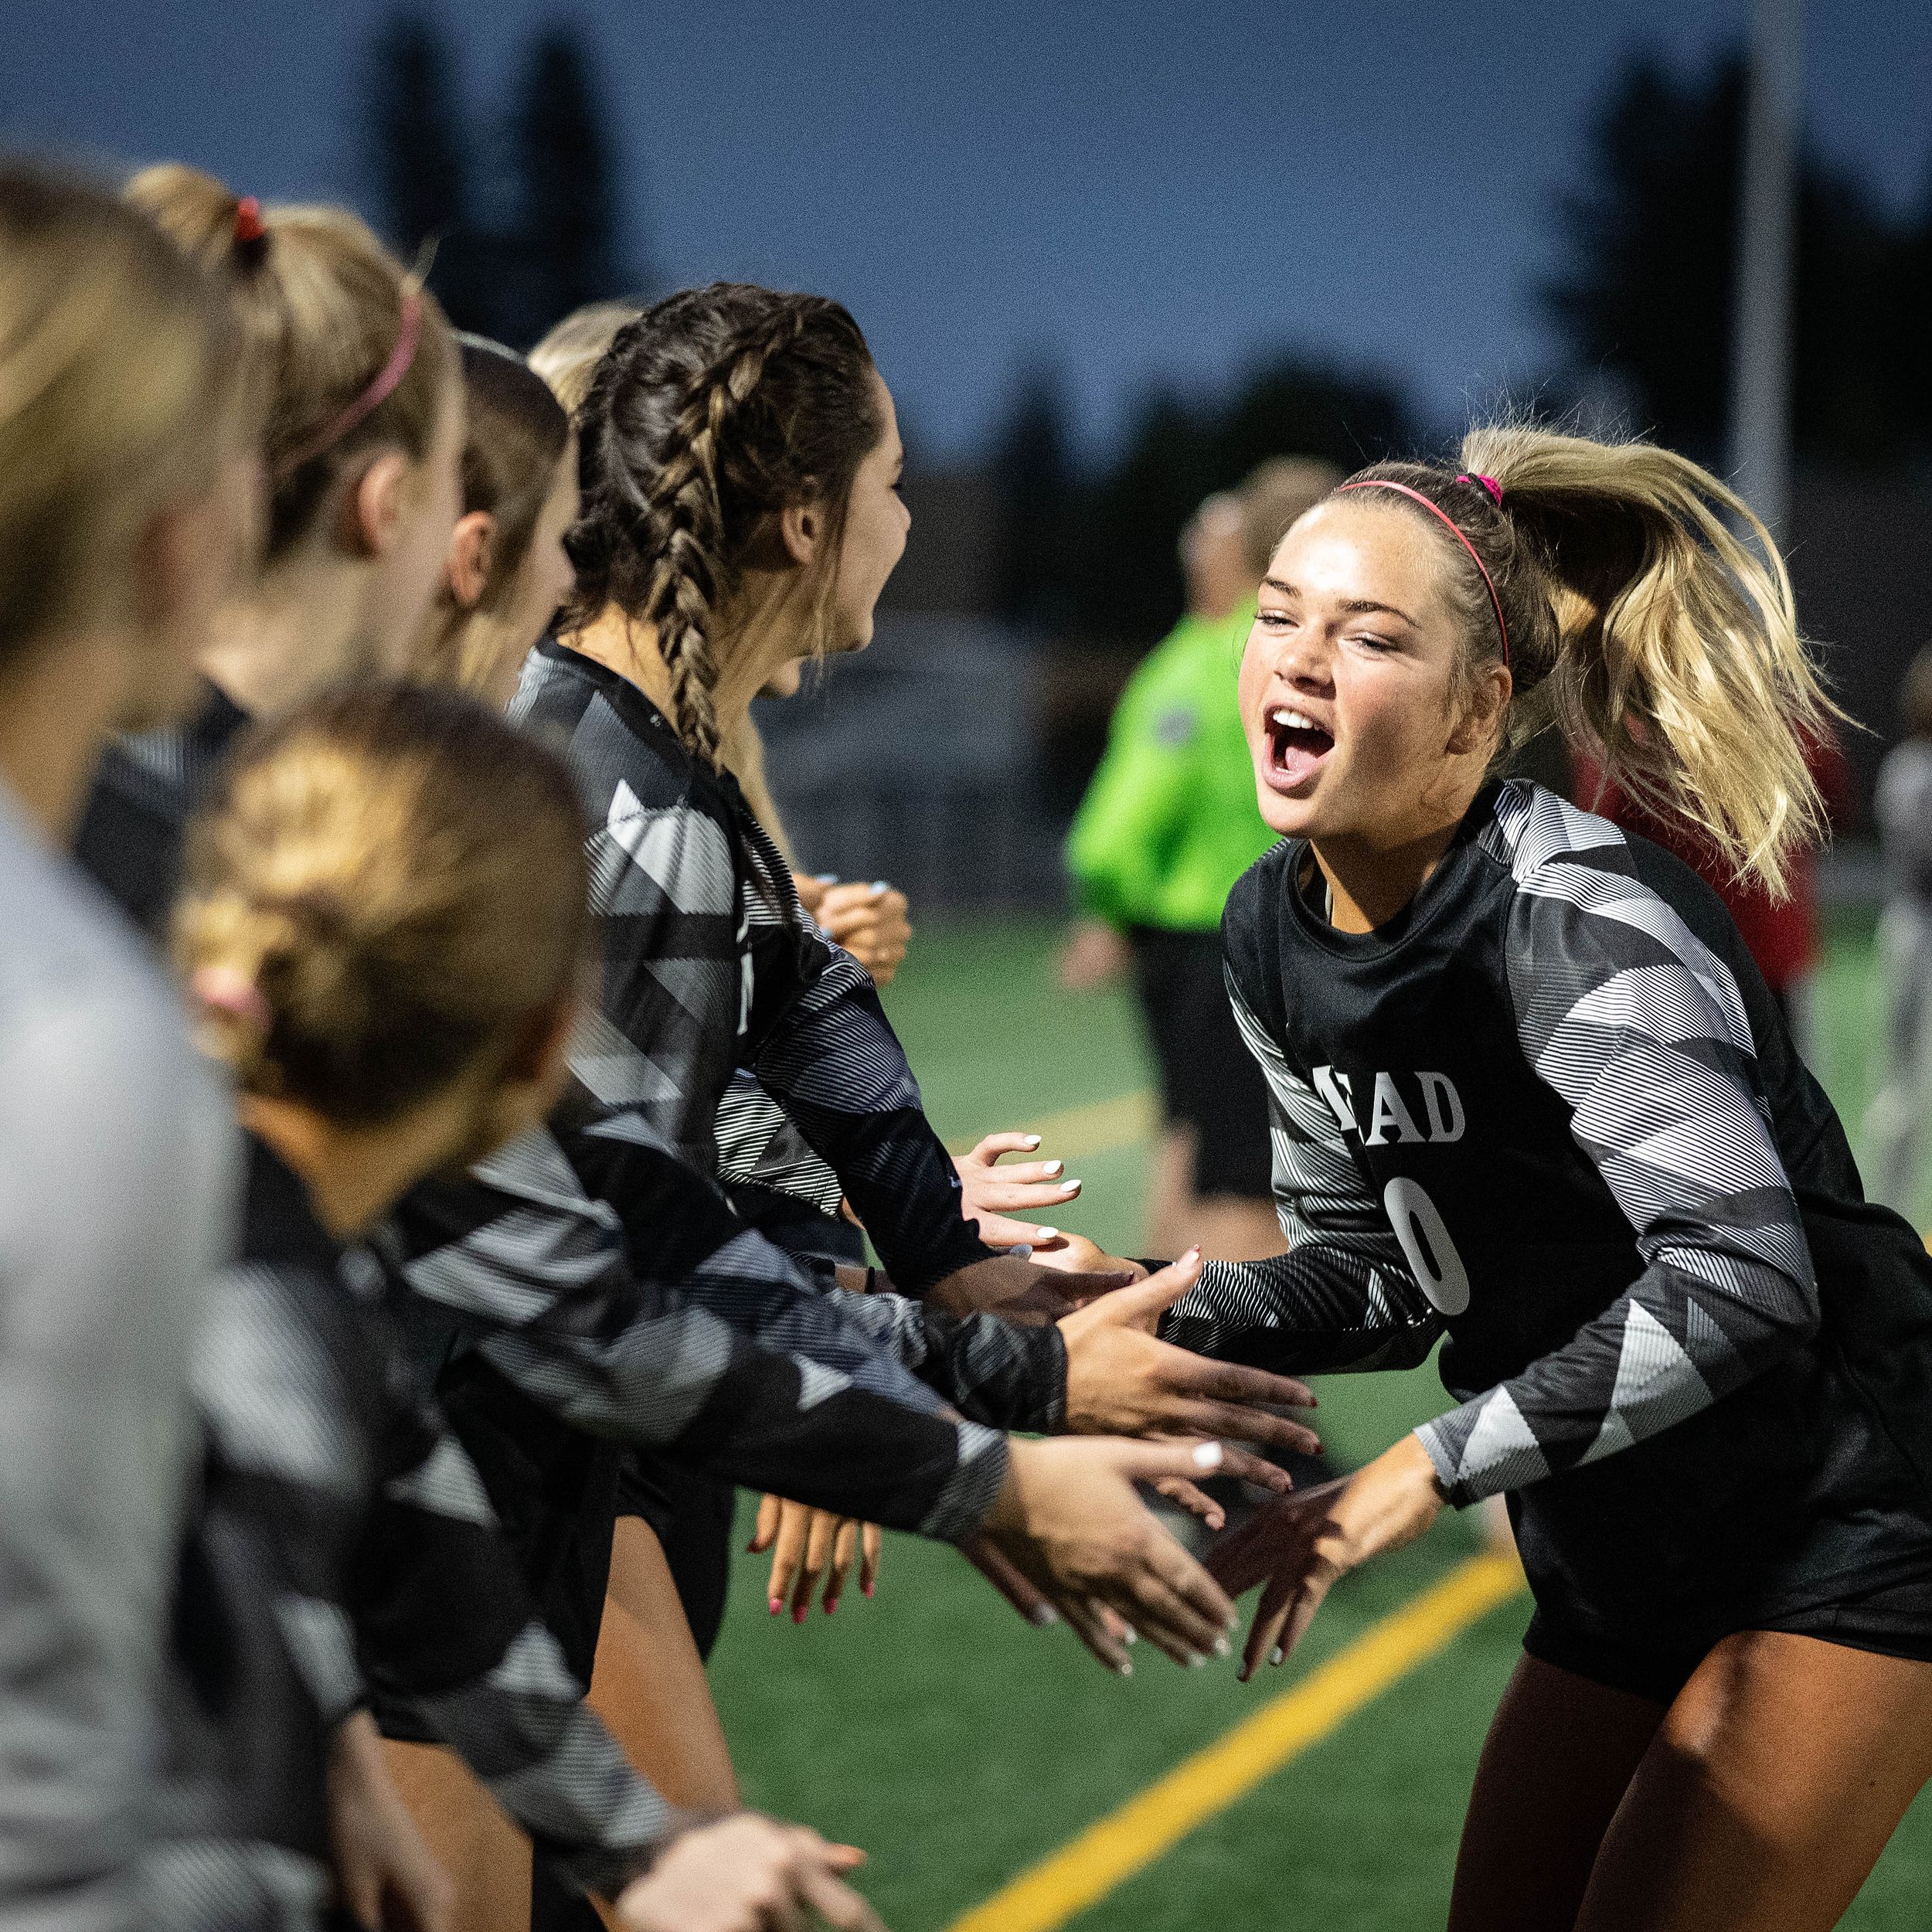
(1678, 654)
(1643, 625)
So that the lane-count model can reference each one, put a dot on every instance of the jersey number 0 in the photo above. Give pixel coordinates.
(1426, 1245)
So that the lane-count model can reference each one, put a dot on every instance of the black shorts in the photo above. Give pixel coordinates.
(1894, 1619)
(690, 1515)
(1209, 1079)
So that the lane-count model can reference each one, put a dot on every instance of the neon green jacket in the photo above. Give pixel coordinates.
(1170, 821)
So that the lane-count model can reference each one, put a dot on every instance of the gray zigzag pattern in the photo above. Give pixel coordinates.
(1643, 1031)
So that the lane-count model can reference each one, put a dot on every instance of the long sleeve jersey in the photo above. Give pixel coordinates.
(117, 1205)
(710, 963)
(338, 1521)
(1550, 1112)
(597, 1286)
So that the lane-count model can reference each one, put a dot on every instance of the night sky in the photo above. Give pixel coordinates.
(1141, 192)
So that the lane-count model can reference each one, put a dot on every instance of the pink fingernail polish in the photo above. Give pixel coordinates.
(832, 1606)
(798, 1615)
(777, 1604)
(871, 1590)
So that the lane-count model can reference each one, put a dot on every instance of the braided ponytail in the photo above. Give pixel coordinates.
(712, 412)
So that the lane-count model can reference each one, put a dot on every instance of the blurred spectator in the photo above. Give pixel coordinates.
(1168, 825)
(1904, 802)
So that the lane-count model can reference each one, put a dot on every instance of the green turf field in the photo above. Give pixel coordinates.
(959, 1747)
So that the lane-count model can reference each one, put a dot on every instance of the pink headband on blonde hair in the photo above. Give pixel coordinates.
(1455, 530)
(381, 386)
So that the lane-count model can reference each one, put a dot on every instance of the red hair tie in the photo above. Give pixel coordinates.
(249, 225)
(1455, 529)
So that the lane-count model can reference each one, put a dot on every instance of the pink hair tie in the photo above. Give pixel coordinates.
(381, 386)
(1454, 528)
(1486, 483)
(223, 990)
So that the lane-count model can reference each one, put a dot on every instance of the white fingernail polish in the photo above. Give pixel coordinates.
(1207, 1455)
(1130, 1635)
(1194, 1660)
(1049, 1234)
(1031, 1140)
(1124, 1667)
(879, 886)
(1072, 1187)
(1024, 1252)
(1045, 1617)
(1275, 1655)
(1221, 1647)
(1053, 1168)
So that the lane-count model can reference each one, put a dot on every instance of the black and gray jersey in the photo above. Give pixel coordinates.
(144, 788)
(1550, 1112)
(710, 964)
(338, 1521)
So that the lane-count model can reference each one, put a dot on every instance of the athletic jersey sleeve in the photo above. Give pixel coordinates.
(1640, 1030)
(821, 1046)
(672, 1323)
(1342, 1297)
(489, 1679)
(760, 1145)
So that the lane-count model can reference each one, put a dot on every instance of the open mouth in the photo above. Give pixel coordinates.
(1297, 745)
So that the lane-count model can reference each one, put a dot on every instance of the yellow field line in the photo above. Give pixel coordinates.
(1107, 1854)
(1080, 1133)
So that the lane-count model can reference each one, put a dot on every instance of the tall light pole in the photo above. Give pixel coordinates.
(1760, 399)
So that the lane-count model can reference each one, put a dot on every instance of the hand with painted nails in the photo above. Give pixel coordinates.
(1069, 1520)
(746, 1873)
(870, 921)
(808, 1544)
(1302, 1544)
(1122, 1380)
(992, 1192)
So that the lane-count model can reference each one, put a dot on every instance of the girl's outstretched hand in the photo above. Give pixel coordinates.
(1122, 1380)
(1069, 1520)
(807, 1544)
(870, 921)
(992, 1192)
(1302, 1543)
(746, 1873)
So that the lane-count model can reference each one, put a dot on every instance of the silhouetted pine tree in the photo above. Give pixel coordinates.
(570, 220)
(1034, 473)
(421, 167)
(1647, 289)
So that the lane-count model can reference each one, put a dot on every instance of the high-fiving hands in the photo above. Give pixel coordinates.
(1301, 1544)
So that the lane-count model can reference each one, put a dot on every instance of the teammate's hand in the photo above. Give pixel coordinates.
(1068, 1517)
(807, 1544)
(1021, 1290)
(746, 1873)
(1094, 953)
(870, 923)
(386, 1878)
(991, 1192)
(1303, 1543)
(1122, 1381)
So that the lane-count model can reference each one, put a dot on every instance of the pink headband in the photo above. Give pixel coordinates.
(1455, 529)
(223, 990)
(381, 385)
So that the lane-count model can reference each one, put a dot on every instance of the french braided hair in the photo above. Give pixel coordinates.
(712, 412)
(1650, 619)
